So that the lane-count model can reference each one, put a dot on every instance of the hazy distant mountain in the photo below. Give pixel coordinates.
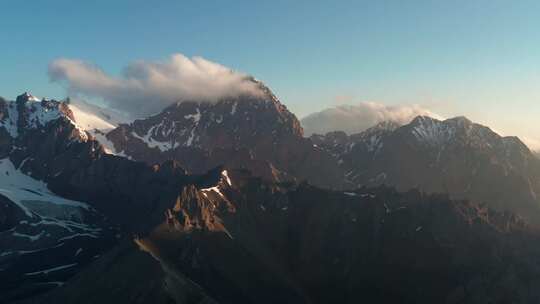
(353, 119)
(454, 156)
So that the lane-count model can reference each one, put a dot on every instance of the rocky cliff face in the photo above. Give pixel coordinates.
(241, 239)
(253, 132)
(455, 156)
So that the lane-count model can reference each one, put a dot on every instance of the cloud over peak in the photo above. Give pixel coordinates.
(357, 118)
(145, 88)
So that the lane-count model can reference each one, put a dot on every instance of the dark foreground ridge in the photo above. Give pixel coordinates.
(244, 240)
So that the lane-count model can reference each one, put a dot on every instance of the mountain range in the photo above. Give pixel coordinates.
(253, 132)
(228, 202)
(454, 156)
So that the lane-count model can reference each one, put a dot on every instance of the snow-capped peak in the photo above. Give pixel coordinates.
(26, 96)
(28, 112)
(25, 191)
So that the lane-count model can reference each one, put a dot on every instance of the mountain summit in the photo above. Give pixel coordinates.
(256, 132)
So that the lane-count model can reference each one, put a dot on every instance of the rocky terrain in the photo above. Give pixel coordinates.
(82, 221)
(64, 200)
(242, 239)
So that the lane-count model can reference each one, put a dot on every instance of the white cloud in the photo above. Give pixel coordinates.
(147, 87)
(356, 118)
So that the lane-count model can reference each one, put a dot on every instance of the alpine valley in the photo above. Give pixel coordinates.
(228, 202)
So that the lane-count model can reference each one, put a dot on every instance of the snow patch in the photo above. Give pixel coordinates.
(23, 190)
(10, 122)
(32, 238)
(47, 271)
(108, 145)
(41, 115)
(89, 121)
(432, 131)
(191, 137)
(33, 98)
(152, 143)
(69, 237)
(226, 175)
(213, 189)
(196, 117)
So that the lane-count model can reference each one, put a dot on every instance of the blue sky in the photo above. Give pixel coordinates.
(477, 58)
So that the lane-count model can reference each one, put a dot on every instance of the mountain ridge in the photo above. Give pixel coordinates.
(254, 132)
(456, 156)
(228, 234)
(244, 238)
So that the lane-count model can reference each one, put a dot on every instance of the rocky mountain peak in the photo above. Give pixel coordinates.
(249, 131)
(434, 132)
(423, 120)
(225, 123)
(460, 120)
(455, 156)
(28, 113)
(387, 125)
(26, 97)
(383, 127)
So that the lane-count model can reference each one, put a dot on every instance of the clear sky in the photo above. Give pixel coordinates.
(478, 58)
